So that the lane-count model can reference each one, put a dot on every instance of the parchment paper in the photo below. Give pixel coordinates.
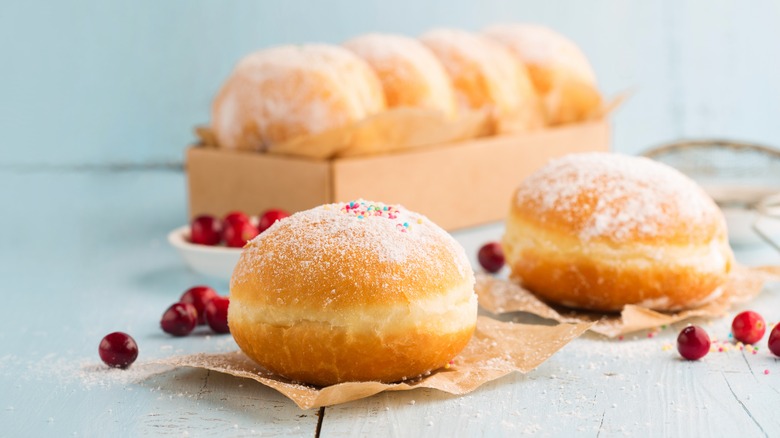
(500, 296)
(497, 349)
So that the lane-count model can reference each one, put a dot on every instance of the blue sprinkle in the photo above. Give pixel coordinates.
(360, 216)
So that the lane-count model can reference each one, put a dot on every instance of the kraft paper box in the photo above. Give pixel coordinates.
(456, 185)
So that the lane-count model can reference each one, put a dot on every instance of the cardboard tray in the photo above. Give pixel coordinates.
(456, 185)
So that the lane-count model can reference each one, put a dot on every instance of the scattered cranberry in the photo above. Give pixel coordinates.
(198, 296)
(180, 319)
(205, 230)
(118, 350)
(216, 314)
(693, 343)
(774, 340)
(269, 217)
(235, 216)
(491, 257)
(748, 327)
(237, 234)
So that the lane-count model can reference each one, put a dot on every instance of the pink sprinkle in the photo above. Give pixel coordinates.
(720, 349)
(620, 338)
(755, 352)
(650, 335)
(766, 371)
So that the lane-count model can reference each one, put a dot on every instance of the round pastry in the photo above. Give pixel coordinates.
(359, 291)
(284, 92)
(486, 75)
(598, 231)
(559, 70)
(411, 75)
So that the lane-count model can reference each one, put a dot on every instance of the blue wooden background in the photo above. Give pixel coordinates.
(107, 82)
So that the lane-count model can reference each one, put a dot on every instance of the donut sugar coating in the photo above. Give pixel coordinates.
(357, 291)
(599, 231)
(278, 94)
(487, 76)
(410, 73)
(560, 72)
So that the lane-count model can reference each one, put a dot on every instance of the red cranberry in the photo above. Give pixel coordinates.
(748, 327)
(205, 230)
(269, 217)
(237, 234)
(693, 343)
(235, 216)
(118, 350)
(198, 296)
(216, 314)
(180, 319)
(774, 340)
(491, 257)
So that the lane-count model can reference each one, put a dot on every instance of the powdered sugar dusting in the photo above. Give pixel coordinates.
(616, 196)
(536, 44)
(371, 244)
(475, 62)
(282, 92)
(408, 70)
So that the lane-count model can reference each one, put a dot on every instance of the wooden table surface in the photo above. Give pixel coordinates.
(84, 254)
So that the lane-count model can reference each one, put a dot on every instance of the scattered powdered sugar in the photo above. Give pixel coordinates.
(85, 373)
(616, 196)
(385, 246)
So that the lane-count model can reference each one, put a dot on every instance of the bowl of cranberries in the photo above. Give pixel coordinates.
(212, 245)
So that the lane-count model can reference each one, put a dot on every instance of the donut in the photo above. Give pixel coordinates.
(410, 74)
(487, 75)
(357, 291)
(281, 93)
(600, 231)
(560, 72)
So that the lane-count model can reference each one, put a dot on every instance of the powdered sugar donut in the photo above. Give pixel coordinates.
(559, 70)
(411, 75)
(284, 92)
(356, 291)
(598, 231)
(487, 75)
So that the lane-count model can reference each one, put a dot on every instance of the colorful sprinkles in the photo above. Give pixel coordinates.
(363, 209)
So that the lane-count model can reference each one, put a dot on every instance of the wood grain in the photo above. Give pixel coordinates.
(86, 256)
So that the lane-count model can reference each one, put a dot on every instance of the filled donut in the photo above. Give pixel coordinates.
(357, 291)
(598, 231)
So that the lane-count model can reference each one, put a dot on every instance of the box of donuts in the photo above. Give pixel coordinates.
(440, 123)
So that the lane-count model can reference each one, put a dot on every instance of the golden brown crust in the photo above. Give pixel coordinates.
(317, 256)
(336, 294)
(598, 276)
(487, 76)
(558, 69)
(317, 353)
(410, 74)
(599, 231)
(614, 198)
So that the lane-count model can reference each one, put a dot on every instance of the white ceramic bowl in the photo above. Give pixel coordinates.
(216, 261)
